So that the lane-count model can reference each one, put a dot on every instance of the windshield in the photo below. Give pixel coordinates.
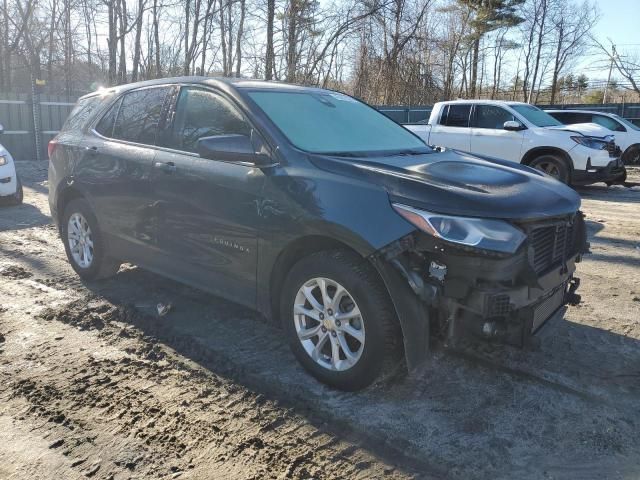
(626, 122)
(333, 123)
(536, 116)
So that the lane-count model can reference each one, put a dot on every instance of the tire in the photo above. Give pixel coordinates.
(632, 155)
(16, 198)
(97, 264)
(552, 165)
(376, 325)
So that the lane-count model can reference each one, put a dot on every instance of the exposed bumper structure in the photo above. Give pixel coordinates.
(613, 172)
(458, 293)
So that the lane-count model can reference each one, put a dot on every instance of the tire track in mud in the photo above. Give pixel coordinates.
(146, 411)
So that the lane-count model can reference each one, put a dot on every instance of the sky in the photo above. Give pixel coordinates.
(619, 21)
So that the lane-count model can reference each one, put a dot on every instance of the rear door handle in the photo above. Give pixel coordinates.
(91, 150)
(166, 167)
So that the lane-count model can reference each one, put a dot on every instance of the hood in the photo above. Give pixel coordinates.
(590, 129)
(456, 183)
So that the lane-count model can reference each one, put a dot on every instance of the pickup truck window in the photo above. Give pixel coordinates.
(330, 122)
(536, 116)
(455, 115)
(490, 116)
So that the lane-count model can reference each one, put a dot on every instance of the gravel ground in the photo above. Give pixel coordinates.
(97, 385)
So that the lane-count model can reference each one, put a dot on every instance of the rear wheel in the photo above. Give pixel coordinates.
(84, 244)
(339, 319)
(552, 165)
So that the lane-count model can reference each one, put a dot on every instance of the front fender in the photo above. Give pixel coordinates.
(412, 313)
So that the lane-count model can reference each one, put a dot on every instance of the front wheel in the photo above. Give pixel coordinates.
(339, 319)
(553, 166)
(632, 155)
(18, 197)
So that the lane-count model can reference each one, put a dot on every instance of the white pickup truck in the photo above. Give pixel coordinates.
(522, 133)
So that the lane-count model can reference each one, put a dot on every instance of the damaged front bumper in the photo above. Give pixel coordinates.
(460, 292)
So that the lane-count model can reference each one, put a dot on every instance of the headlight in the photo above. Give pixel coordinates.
(590, 142)
(486, 234)
(3, 160)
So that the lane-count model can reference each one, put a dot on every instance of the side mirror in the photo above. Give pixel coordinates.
(1, 129)
(513, 126)
(230, 148)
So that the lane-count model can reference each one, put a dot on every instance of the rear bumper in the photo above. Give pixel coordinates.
(613, 172)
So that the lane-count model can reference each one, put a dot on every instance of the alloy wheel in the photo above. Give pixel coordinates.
(550, 168)
(329, 324)
(80, 240)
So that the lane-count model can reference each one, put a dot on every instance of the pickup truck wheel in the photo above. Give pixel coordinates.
(632, 155)
(83, 243)
(553, 166)
(339, 320)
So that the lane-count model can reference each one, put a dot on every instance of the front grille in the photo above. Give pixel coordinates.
(500, 305)
(551, 245)
(546, 307)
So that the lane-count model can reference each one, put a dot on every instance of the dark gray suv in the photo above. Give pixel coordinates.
(319, 212)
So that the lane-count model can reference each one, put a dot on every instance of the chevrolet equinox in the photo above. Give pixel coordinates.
(319, 212)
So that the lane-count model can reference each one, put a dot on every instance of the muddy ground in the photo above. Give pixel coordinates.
(95, 384)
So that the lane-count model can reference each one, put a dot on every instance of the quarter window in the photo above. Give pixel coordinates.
(108, 120)
(489, 116)
(139, 115)
(201, 113)
(456, 115)
(83, 111)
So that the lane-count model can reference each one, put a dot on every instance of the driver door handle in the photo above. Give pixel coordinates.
(166, 167)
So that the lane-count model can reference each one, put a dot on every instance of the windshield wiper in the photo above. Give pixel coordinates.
(343, 154)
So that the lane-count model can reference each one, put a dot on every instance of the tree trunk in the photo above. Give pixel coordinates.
(112, 43)
(292, 38)
(137, 47)
(239, 39)
(187, 23)
(474, 67)
(223, 39)
(556, 65)
(269, 56)
(156, 38)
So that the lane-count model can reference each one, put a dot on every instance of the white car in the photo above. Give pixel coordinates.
(627, 134)
(522, 133)
(10, 186)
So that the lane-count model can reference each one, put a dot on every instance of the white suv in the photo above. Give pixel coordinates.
(10, 186)
(627, 134)
(523, 133)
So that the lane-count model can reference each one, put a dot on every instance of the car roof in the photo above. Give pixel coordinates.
(578, 111)
(228, 82)
(487, 102)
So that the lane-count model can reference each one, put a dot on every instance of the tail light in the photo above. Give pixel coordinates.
(51, 147)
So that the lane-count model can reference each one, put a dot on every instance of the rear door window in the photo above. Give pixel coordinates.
(490, 116)
(202, 113)
(140, 114)
(456, 115)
